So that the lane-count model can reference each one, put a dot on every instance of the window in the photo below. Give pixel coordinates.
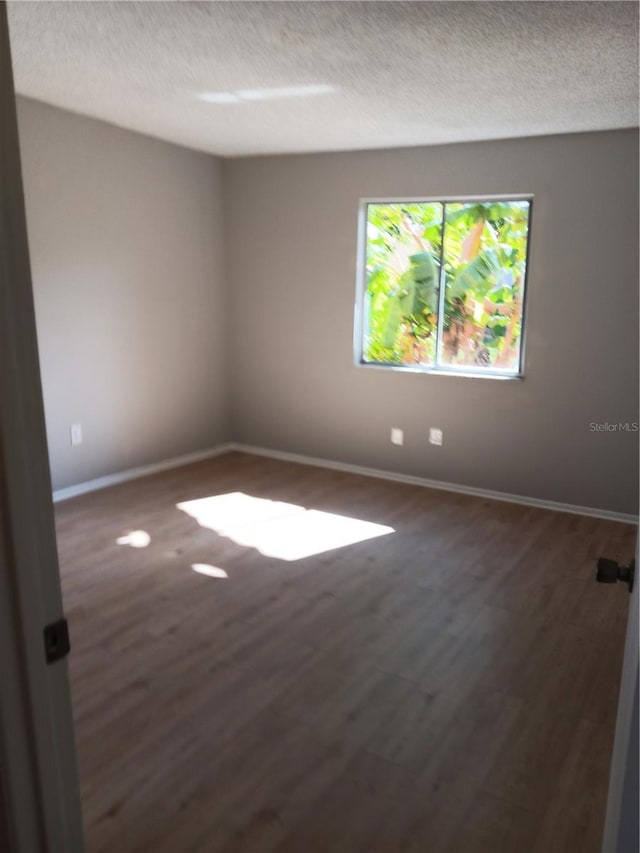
(442, 285)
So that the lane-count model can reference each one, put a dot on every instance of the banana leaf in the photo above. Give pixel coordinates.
(421, 284)
(478, 275)
(416, 295)
(392, 321)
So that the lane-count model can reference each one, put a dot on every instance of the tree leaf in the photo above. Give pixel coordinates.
(471, 243)
(479, 274)
(392, 320)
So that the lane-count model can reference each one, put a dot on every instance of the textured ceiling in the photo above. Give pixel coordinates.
(399, 73)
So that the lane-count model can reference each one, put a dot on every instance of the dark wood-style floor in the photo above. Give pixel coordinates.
(450, 686)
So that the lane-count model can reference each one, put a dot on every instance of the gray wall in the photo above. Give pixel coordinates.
(291, 266)
(125, 236)
(159, 346)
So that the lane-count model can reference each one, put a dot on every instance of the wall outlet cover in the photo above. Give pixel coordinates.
(397, 436)
(76, 434)
(435, 436)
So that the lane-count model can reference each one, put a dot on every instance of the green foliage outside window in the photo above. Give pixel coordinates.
(477, 252)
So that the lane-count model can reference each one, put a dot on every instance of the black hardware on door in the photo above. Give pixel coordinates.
(609, 571)
(56, 640)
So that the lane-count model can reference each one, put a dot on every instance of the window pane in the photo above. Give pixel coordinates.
(485, 251)
(404, 243)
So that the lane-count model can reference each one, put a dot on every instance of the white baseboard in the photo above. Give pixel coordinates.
(425, 482)
(141, 471)
(592, 512)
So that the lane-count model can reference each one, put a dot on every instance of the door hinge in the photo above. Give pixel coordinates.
(56, 640)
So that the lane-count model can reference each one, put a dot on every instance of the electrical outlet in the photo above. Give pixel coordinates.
(76, 434)
(397, 436)
(435, 436)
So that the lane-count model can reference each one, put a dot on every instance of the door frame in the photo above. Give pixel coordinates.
(39, 780)
(622, 799)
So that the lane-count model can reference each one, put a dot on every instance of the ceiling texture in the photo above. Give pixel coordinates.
(324, 76)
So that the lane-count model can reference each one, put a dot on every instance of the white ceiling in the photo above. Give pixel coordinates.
(399, 73)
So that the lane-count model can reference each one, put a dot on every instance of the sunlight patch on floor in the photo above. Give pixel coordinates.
(135, 539)
(209, 571)
(276, 529)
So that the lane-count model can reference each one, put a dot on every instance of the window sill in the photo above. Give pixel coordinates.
(458, 372)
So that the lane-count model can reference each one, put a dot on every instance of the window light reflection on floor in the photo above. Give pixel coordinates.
(209, 571)
(276, 529)
(136, 539)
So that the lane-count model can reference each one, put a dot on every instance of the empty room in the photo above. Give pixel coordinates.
(319, 438)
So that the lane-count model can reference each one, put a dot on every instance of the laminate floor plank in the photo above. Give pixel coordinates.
(444, 684)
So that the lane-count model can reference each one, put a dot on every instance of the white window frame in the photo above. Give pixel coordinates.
(361, 290)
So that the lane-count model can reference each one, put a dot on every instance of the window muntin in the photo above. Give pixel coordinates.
(444, 285)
